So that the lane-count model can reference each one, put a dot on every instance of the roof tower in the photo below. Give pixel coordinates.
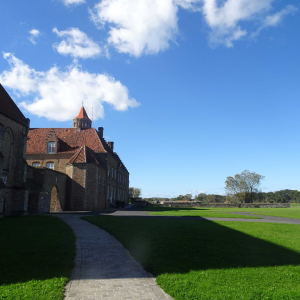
(82, 121)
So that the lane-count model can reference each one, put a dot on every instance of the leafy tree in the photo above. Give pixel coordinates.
(243, 187)
(201, 197)
(188, 197)
(134, 193)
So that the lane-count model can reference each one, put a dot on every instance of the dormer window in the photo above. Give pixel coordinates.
(51, 147)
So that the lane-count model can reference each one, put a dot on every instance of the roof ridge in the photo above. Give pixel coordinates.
(84, 153)
(10, 109)
(74, 157)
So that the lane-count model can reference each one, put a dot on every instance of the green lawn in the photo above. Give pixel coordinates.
(213, 260)
(36, 257)
(195, 212)
(292, 212)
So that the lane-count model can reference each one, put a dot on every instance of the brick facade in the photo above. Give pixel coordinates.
(97, 178)
(49, 191)
(13, 134)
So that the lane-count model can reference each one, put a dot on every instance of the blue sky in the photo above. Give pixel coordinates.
(190, 91)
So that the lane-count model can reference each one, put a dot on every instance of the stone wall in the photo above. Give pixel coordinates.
(219, 205)
(13, 196)
(51, 181)
(77, 173)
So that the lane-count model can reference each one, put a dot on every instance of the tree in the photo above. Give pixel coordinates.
(243, 187)
(188, 197)
(134, 193)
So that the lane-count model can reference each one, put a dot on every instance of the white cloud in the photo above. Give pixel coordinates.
(137, 26)
(73, 2)
(275, 19)
(58, 94)
(34, 33)
(76, 43)
(189, 4)
(225, 18)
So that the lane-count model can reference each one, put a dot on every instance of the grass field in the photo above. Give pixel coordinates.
(292, 212)
(36, 257)
(195, 212)
(213, 260)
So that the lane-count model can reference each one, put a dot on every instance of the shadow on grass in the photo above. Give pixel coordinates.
(35, 248)
(179, 246)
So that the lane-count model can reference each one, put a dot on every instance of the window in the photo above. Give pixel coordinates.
(51, 147)
(108, 192)
(108, 170)
(50, 165)
(115, 173)
(36, 164)
(99, 191)
(104, 185)
(112, 172)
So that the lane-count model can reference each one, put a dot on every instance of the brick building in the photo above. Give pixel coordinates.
(13, 133)
(96, 176)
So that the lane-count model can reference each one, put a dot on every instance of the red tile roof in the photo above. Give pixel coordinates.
(85, 155)
(82, 114)
(10, 109)
(70, 139)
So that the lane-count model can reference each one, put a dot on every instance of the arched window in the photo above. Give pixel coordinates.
(50, 165)
(99, 182)
(7, 147)
(1, 134)
(36, 164)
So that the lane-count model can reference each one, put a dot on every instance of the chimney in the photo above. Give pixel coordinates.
(100, 130)
(111, 145)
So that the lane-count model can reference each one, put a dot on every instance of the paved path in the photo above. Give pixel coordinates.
(104, 269)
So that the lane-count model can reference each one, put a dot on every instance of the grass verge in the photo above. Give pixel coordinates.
(36, 257)
(213, 260)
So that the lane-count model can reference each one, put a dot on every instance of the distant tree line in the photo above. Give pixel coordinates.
(240, 188)
(282, 196)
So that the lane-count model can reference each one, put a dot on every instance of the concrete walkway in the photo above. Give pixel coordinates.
(104, 269)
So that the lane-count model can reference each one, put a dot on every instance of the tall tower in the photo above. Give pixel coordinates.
(82, 121)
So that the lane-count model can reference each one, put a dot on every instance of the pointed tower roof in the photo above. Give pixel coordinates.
(82, 114)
